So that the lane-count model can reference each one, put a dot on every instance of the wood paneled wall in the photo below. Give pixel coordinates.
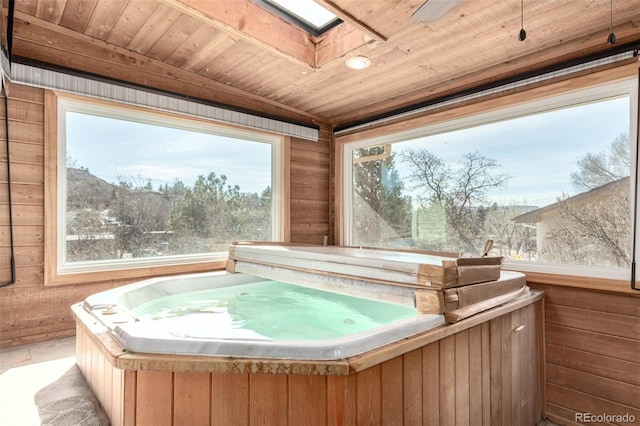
(311, 197)
(31, 312)
(28, 311)
(592, 357)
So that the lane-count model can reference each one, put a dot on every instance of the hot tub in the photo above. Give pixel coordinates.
(242, 315)
(412, 368)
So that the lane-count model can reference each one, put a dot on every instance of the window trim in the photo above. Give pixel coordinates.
(545, 98)
(54, 271)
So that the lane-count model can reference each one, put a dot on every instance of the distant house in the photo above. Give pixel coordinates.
(549, 218)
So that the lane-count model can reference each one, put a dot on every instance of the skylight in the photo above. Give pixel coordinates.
(306, 14)
(307, 10)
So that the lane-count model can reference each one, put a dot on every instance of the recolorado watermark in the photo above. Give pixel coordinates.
(604, 418)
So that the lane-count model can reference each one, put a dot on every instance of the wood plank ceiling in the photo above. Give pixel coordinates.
(239, 48)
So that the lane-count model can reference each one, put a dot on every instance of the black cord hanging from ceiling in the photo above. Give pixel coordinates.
(11, 243)
(6, 128)
(612, 36)
(634, 234)
(523, 34)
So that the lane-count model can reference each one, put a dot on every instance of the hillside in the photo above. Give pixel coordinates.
(86, 191)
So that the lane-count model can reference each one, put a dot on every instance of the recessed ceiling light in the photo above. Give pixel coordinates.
(358, 62)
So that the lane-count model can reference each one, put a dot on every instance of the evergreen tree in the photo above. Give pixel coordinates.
(213, 213)
(382, 213)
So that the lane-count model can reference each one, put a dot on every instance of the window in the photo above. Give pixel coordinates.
(547, 181)
(138, 189)
(306, 14)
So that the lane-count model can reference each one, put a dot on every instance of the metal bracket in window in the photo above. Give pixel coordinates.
(385, 154)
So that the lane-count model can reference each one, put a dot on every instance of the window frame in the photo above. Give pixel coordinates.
(56, 272)
(298, 20)
(542, 99)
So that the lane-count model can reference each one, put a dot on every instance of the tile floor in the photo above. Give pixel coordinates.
(25, 370)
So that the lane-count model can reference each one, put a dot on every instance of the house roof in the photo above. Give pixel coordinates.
(535, 216)
(243, 55)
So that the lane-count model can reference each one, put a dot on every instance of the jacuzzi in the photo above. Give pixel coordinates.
(120, 311)
(144, 371)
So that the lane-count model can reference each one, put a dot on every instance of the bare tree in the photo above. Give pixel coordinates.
(87, 239)
(596, 230)
(596, 233)
(510, 238)
(462, 191)
(597, 169)
(138, 212)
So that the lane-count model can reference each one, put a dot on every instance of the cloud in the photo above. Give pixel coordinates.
(113, 148)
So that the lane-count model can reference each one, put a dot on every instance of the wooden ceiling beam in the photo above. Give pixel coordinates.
(338, 42)
(245, 20)
(352, 20)
(47, 42)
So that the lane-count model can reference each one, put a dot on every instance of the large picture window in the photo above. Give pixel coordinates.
(137, 188)
(548, 181)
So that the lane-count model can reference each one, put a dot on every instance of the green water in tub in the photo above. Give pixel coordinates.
(269, 310)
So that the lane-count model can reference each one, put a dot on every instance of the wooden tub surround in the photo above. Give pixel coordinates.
(483, 370)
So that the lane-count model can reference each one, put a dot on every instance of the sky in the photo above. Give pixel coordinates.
(538, 152)
(111, 148)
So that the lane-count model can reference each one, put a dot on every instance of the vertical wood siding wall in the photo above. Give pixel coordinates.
(310, 191)
(485, 375)
(592, 340)
(31, 312)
